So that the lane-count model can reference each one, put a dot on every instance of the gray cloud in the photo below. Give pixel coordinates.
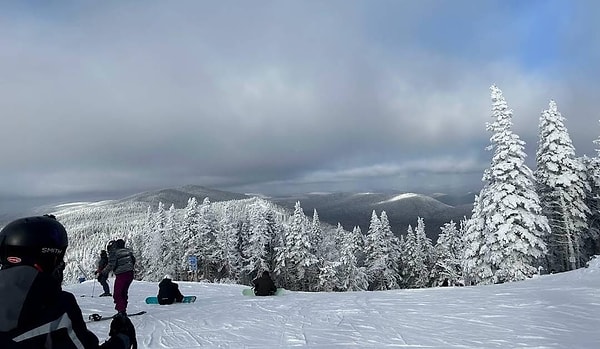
(277, 97)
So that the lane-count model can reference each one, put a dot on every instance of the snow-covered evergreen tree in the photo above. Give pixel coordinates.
(381, 255)
(227, 254)
(352, 275)
(154, 248)
(448, 250)
(316, 235)
(207, 230)
(591, 239)
(510, 244)
(171, 247)
(189, 234)
(417, 256)
(295, 261)
(259, 250)
(562, 187)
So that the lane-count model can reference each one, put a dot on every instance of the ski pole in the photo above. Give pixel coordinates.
(93, 288)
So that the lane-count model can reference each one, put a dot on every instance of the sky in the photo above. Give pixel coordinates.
(549, 311)
(101, 99)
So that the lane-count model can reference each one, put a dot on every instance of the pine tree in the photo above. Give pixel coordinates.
(295, 261)
(171, 248)
(562, 186)
(227, 255)
(505, 240)
(417, 256)
(207, 230)
(258, 251)
(381, 255)
(353, 276)
(447, 270)
(316, 235)
(189, 236)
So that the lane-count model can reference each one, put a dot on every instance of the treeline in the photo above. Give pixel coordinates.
(523, 222)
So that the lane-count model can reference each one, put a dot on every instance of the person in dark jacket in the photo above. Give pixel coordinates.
(122, 263)
(264, 285)
(34, 310)
(168, 291)
(102, 278)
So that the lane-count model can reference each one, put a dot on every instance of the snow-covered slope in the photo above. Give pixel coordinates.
(550, 311)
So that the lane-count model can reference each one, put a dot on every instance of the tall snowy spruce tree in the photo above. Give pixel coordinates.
(505, 235)
(447, 268)
(382, 255)
(260, 248)
(417, 253)
(563, 187)
(353, 275)
(188, 234)
(592, 165)
(295, 263)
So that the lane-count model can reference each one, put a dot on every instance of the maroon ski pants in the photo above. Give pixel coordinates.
(121, 289)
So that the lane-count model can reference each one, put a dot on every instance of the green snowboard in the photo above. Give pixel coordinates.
(186, 299)
(250, 292)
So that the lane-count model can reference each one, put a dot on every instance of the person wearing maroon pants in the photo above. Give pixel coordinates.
(122, 263)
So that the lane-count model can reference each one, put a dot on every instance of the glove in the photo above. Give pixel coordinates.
(122, 328)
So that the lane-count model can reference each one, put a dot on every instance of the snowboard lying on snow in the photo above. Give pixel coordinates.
(186, 299)
(98, 317)
(250, 292)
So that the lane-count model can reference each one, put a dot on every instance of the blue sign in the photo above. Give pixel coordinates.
(193, 262)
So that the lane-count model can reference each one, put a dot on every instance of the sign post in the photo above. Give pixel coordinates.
(193, 267)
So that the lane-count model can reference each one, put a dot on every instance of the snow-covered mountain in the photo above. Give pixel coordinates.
(403, 209)
(349, 209)
(549, 311)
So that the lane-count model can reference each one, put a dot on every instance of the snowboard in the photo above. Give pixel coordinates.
(250, 292)
(186, 299)
(98, 317)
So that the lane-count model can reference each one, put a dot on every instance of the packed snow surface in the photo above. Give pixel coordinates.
(549, 311)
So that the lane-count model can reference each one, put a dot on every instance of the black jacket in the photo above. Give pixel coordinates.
(264, 286)
(168, 292)
(36, 313)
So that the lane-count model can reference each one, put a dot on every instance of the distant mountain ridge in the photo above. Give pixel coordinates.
(402, 209)
(348, 209)
(179, 196)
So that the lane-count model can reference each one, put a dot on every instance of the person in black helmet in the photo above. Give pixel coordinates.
(34, 310)
(168, 291)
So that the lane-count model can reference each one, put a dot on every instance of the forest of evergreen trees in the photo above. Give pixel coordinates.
(523, 222)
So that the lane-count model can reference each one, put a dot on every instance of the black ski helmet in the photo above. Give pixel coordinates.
(39, 241)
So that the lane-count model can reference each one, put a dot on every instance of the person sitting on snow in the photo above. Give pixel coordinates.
(264, 285)
(168, 291)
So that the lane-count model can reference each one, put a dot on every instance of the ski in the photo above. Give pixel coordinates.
(98, 317)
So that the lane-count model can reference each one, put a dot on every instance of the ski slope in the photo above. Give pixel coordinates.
(549, 311)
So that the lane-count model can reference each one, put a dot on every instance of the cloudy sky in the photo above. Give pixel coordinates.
(117, 97)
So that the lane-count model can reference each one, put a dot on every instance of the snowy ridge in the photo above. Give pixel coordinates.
(549, 311)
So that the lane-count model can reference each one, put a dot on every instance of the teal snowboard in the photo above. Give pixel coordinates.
(250, 292)
(186, 299)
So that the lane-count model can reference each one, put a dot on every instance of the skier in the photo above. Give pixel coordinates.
(34, 310)
(122, 263)
(168, 291)
(264, 285)
(102, 279)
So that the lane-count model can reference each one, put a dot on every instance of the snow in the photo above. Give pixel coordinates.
(401, 197)
(549, 311)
